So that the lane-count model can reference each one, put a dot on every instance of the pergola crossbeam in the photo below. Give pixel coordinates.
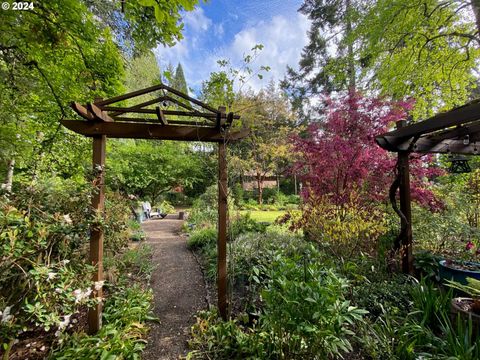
(138, 106)
(152, 131)
(124, 110)
(202, 122)
(188, 98)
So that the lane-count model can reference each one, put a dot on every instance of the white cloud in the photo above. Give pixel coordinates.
(283, 40)
(197, 21)
(218, 30)
(283, 37)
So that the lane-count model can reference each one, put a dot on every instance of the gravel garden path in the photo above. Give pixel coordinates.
(178, 287)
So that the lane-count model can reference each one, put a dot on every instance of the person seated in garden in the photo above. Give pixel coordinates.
(147, 208)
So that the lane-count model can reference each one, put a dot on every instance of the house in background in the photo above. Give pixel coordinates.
(249, 181)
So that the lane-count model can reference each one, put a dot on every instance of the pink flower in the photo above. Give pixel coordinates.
(469, 246)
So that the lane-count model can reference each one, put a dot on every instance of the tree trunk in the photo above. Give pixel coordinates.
(260, 188)
(351, 63)
(7, 186)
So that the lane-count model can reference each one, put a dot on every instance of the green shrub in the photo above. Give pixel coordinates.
(177, 198)
(391, 294)
(279, 199)
(202, 238)
(242, 224)
(250, 204)
(304, 305)
(122, 333)
(213, 338)
(165, 207)
(238, 194)
(293, 199)
(427, 331)
(290, 207)
(44, 232)
(131, 264)
(204, 212)
(303, 315)
(268, 194)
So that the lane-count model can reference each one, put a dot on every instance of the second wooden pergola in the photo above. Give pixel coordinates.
(454, 132)
(164, 113)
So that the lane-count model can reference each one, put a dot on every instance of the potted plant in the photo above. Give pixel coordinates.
(467, 307)
(458, 270)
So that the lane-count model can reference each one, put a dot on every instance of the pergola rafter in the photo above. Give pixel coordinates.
(453, 132)
(152, 119)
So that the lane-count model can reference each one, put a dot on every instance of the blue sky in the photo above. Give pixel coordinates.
(228, 29)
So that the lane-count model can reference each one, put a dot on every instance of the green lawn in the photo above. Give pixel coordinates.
(264, 216)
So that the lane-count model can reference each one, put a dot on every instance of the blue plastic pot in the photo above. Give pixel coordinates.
(458, 275)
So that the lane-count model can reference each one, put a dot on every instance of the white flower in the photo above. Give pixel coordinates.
(6, 317)
(63, 324)
(42, 348)
(78, 295)
(67, 219)
(51, 275)
(58, 290)
(99, 284)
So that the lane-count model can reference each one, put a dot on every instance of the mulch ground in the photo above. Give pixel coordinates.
(178, 286)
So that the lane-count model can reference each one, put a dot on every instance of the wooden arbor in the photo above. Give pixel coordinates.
(454, 132)
(153, 118)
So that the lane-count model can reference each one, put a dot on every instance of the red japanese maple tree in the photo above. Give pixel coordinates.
(339, 155)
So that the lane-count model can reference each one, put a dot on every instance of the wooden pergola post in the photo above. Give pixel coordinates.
(222, 231)
(406, 249)
(96, 231)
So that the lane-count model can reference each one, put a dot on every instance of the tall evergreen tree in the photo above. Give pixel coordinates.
(179, 81)
(328, 60)
(142, 71)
